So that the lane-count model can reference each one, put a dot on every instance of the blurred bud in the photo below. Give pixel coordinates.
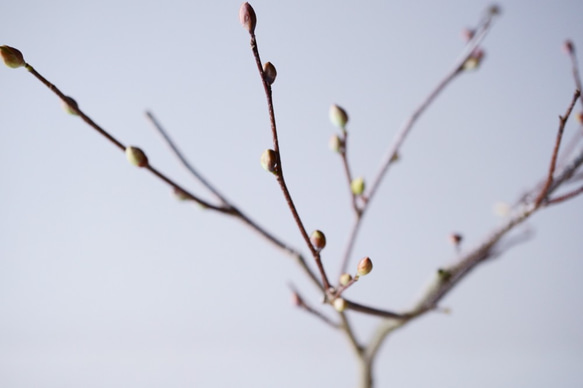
(12, 57)
(495, 9)
(455, 239)
(339, 304)
(338, 116)
(296, 300)
(468, 34)
(269, 72)
(318, 240)
(345, 278)
(501, 209)
(68, 104)
(568, 47)
(180, 194)
(336, 144)
(136, 156)
(396, 157)
(474, 60)
(357, 186)
(269, 161)
(247, 17)
(443, 274)
(579, 117)
(364, 266)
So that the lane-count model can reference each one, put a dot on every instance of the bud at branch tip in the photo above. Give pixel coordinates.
(247, 17)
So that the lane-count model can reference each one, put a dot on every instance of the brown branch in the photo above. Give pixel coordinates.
(301, 303)
(564, 197)
(74, 107)
(393, 151)
(347, 172)
(562, 121)
(279, 171)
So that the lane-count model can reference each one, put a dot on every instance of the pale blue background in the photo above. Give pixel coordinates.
(107, 281)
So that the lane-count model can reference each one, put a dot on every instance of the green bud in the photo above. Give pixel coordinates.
(336, 144)
(180, 194)
(357, 186)
(338, 116)
(136, 156)
(247, 17)
(318, 240)
(364, 266)
(269, 161)
(12, 57)
(339, 304)
(345, 278)
(474, 60)
(269, 73)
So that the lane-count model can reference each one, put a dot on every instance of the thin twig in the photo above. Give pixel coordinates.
(401, 136)
(234, 210)
(301, 303)
(279, 172)
(562, 121)
(118, 144)
(564, 197)
(347, 172)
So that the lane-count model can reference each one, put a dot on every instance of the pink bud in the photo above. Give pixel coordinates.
(247, 17)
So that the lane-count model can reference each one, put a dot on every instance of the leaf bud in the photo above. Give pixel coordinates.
(318, 240)
(269, 73)
(68, 104)
(336, 144)
(12, 57)
(364, 266)
(474, 60)
(296, 299)
(357, 186)
(269, 161)
(247, 17)
(136, 156)
(180, 194)
(345, 278)
(579, 117)
(455, 239)
(338, 116)
(339, 304)
(494, 10)
(568, 47)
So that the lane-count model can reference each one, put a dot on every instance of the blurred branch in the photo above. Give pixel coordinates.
(393, 151)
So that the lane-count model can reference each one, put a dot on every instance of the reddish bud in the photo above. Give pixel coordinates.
(568, 47)
(12, 57)
(579, 117)
(296, 300)
(318, 240)
(136, 156)
(467, 34)
(455, 238)
(364, 266)
(247, 17)
(269, 73)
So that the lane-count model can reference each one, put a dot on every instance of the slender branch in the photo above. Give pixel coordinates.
(301, 303)
(405, 129)
(347, 172)
(279, 172)
(563, 121)
(564, 197)
(73, 107)
(234, 210)
(574, 66)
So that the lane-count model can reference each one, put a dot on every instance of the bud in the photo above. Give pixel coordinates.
(136, 156)
(338, 116)
(579, 117)
(339, 304)
(396, 157)
(269, 161)
(455, 238)
(269, 73)
(68, 104)
(364, 266)
(296, 300)
(474, 60)
(345, 278)
(247, 17)
(336, 144)
(12, 57)
(318, 240)
(494, 10)
(180, 194)
(568, 47)
(357, 186)
(468, 34)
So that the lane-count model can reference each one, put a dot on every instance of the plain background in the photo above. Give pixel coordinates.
(108, 281)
